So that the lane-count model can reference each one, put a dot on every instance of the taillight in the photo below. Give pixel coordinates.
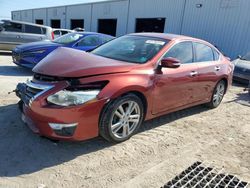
(52, 35)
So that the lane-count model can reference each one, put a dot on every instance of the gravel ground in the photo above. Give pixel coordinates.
(164, 147)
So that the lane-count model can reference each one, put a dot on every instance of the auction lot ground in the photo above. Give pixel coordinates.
(164, 147)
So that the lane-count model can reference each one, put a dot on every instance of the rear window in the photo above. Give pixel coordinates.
(203, 52)
(43, 30)
(13, 27)
(64, 32)
(32, 29)
(57, 32)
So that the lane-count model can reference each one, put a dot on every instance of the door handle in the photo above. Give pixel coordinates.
(193, 73)
(217, 68)
(18, 37)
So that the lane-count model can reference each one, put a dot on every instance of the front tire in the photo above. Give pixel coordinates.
(121, 118)
(218, 94)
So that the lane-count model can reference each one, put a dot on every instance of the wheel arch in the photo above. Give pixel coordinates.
(226, 82)
(141, 96)
(121, 94)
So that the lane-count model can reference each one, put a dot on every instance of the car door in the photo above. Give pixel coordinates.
(175, 87)
(32, 33)
(88, 42)
(209, 68)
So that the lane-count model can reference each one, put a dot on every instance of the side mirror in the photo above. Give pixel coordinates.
(170, 62)
(1, 28)
(239, 57)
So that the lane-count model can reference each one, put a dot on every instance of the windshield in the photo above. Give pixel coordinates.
(246, 57)
(68, 38)
(135, 49)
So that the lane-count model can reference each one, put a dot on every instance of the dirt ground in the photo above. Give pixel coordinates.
(164, 147)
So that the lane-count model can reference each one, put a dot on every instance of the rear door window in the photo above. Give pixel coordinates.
(203, 53)
(182, 51)
(32, 29)
(13, 27)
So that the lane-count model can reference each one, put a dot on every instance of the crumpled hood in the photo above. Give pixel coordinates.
(37, 45)
(66, 62)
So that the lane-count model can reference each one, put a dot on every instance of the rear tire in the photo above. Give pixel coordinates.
(218, 94)
(121, 118)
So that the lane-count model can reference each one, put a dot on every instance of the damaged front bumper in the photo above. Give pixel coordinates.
(73, 123)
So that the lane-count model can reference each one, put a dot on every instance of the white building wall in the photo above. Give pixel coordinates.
(16, 15)
(57, 13)
(26, 15)
(172, 10)
(40, 14)
(225, 23)
(111, 10)
(79, 12)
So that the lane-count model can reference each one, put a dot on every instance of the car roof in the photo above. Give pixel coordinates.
(168, 36)
(56, 29)
(28, 23)
(90, 33)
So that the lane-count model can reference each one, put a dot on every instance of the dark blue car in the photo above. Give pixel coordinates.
(28, 55)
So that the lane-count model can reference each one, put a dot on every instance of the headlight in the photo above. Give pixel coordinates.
(70, 98)
(37, 51)
(27, 53)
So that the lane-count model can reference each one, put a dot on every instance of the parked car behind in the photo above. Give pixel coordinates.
(28, 55)
(61, 32)
(242, 69)
(110, 91)
(13, 33)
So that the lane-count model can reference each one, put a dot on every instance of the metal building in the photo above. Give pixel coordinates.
(225, 23)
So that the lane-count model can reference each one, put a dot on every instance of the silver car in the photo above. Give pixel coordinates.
(13, 33)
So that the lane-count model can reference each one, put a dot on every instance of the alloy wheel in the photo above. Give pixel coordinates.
(219, 93)
(125, 119)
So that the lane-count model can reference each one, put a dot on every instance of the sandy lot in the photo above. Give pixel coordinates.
(164, 147)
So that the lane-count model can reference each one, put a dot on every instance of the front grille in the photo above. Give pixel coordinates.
(16, 56)
(29, 91)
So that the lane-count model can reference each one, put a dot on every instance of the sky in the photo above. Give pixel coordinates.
(6, 6)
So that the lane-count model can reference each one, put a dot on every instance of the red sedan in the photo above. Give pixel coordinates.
(110, 91)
